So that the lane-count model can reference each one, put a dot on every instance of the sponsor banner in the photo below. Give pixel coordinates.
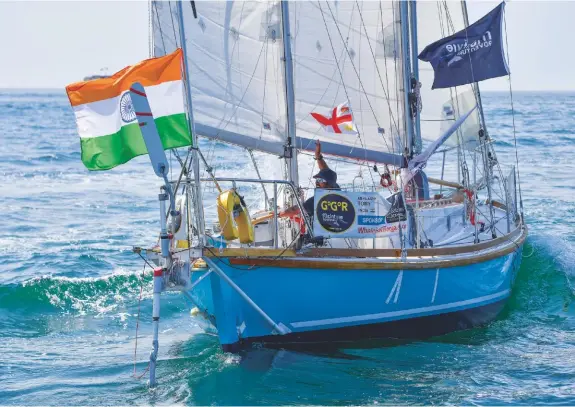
(357, 214)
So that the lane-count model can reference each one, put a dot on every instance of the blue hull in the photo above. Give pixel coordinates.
(320, 306)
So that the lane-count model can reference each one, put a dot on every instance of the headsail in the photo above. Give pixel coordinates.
(235, 69)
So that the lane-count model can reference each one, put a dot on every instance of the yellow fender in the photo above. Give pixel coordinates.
(234, 218)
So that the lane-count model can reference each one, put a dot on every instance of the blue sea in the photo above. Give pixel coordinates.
(71, 288)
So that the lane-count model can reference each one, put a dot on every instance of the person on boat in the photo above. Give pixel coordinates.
(326, 178)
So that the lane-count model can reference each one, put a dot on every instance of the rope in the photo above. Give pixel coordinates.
(513, 119)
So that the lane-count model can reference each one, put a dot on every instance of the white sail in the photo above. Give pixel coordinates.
(235, 68)
(442, 107)
(348, 51)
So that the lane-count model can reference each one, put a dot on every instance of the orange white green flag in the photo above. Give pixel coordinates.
(106, 120)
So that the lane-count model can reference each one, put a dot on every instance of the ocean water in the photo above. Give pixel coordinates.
(71, 288)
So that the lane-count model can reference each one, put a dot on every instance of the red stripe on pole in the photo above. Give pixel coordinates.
(158, 272)
(143, 113)
(137, 92)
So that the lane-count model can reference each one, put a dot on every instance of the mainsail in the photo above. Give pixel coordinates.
(349, 51)
(442, 107)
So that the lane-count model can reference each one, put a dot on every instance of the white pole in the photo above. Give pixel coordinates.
(158, 286)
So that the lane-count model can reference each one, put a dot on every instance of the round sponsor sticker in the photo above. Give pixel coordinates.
(335, 213)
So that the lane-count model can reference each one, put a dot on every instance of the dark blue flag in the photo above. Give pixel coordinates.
(470, 55)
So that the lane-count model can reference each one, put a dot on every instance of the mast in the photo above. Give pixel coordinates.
(290, 150)
(404, 19)
(198, 207)
(415, 71)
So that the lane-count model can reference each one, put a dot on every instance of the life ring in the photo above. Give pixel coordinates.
(385, 180)
(234, 217)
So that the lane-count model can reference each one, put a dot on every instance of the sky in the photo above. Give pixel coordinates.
(49, 44)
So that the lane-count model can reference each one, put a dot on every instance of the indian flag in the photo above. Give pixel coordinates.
(109, 132)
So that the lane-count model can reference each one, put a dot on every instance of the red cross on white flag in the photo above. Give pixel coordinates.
(341, 120)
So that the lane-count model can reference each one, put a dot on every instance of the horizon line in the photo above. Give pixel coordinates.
(63, 89)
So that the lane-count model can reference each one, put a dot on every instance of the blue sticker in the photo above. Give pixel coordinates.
(371, 220)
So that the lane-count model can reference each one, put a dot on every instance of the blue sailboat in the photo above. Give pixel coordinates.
(406, 255)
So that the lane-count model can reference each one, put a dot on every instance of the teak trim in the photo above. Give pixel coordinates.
(310, 263)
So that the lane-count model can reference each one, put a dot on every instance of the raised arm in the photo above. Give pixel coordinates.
(319, 158)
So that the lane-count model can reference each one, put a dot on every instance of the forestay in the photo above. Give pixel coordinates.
(442, 107)
(235, 68)
(349, 51)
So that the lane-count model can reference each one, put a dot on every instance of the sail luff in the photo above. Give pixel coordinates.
(198, 202)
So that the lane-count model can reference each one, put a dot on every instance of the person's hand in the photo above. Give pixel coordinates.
(317, 149)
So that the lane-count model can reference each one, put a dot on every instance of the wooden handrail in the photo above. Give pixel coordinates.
(445, 183)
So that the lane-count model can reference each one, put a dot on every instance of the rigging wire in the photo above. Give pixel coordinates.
(173, 25)
(160, 26)
(342, 82)
(352, 64)
(376, 65)
(150, 30)
(513, 119)
(385, 63)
